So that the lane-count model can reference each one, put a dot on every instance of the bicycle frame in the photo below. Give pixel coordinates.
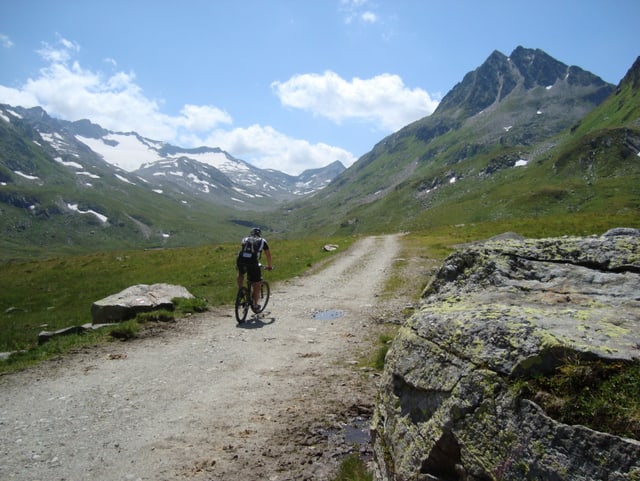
(244, 298)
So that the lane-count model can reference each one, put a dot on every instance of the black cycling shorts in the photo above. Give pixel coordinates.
(253, 271)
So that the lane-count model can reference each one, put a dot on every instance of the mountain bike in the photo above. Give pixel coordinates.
(244, 299)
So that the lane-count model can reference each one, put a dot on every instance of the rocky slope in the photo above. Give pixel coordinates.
(493, 137)
(496, 315)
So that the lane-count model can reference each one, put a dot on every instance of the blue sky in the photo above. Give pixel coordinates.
(284, 84)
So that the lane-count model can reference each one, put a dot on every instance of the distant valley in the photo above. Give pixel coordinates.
(522, 137)
(74, 186)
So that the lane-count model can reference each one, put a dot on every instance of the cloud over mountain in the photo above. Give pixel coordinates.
(114, 99)
(383, 100)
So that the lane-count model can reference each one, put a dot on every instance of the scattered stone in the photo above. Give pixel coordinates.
(46, 336)
(136, 299)
(622, 231)
(11, 309)
(6, 355)
(120, 307)
(330, 247)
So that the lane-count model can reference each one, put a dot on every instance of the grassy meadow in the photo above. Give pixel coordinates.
(58, 292)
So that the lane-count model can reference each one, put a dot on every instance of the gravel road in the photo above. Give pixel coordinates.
(279, 398)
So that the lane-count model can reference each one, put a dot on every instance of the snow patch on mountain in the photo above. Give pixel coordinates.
(209, 174)
(55, 140)
(88, 174)
(126, 151)
(26, 176)
(73, 165)
(220, 161)
(205, 185)
(124, 179)
(5, 117)
(74, 207)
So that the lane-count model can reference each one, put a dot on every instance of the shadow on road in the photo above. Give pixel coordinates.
(256, 322)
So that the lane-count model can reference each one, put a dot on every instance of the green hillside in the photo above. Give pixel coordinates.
(447, 171)
(523, 139)
(46, 209)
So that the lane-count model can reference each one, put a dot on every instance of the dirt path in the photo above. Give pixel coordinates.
(206, 399)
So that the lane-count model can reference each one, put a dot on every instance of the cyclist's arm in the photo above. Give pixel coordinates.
(267, 254)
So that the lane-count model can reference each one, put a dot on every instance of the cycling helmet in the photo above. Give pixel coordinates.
(256, 231)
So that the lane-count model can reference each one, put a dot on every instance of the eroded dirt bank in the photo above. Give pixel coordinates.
(206, 399)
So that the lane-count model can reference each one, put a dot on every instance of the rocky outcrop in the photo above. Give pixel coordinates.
(136, 299)
(496, 313)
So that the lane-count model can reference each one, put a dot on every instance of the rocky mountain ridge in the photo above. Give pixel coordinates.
(550, 95)
(523, 70)
(501, 125)
(206, 172)
(73, 187)
(521, 136)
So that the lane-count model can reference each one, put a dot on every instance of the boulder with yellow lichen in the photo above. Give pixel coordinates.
(496, 315)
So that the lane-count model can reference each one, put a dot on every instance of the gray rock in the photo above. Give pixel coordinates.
(133, 300)
(45, 336)
(622, 231)
(496, 311)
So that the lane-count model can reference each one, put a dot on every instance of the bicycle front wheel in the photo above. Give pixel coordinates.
(265, 293)
(243, 301)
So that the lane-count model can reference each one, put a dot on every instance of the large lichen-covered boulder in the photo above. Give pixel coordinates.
(495, 313)
(133, 300)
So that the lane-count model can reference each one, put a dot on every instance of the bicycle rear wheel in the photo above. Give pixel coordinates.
(265, 293)
(243, 301)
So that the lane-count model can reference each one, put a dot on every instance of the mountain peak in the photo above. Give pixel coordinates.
(525, 70)
(88, 129)
(537, 68)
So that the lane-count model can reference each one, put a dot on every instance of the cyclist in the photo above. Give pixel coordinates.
(248, 262)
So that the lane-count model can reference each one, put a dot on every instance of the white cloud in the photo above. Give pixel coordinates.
(17, 97)
(116, 102)
(383, 100)
(61, 53)
(353, 10)
(200, 118)
(265, 147)
(5, 41)
(369, 17)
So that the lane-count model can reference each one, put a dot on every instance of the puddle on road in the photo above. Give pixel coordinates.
(355, 432)
(327, 315)
(358, 433)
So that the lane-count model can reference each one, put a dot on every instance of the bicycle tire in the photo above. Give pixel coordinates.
(265, 293)
(243, 301)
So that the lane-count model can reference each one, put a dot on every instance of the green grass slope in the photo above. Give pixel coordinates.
(58, 292)
(439, 172)
(36, 192)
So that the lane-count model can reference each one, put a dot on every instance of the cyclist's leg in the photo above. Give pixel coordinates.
(256, 292)
(255, 276)
(241, 268)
